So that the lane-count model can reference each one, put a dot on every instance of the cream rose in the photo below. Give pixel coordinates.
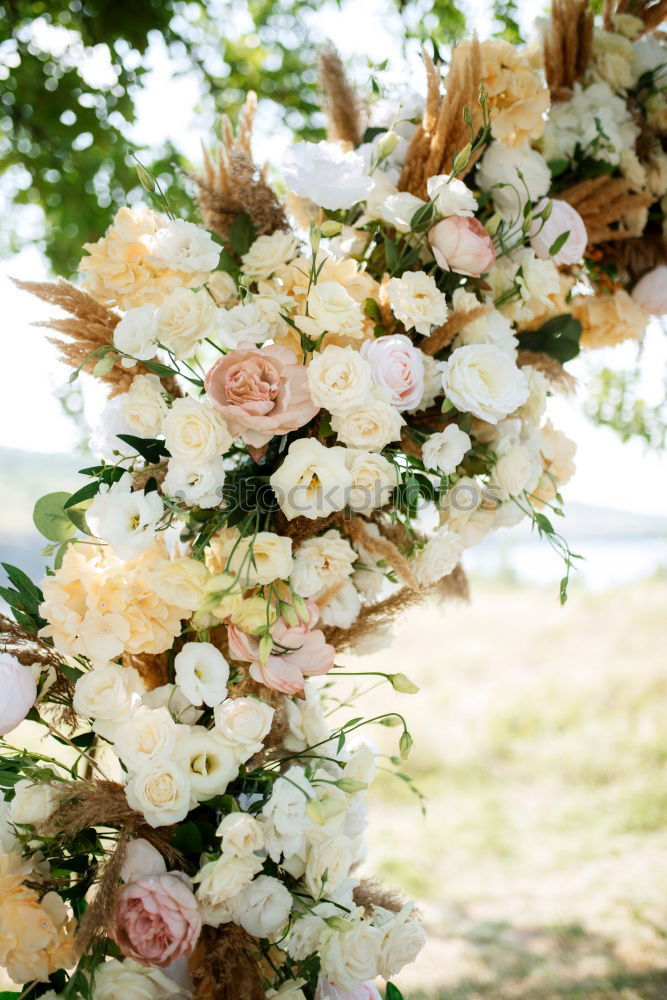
(331, 309)
(402, 942)
(350, 957)
(313, 480)
(244, 723)
(515, 471)
(438, 557)
(143, 407)
(160, 792)
(194, 432)
(245, 323)
(339, 379)
(109, 694)
(374, 478)
(321, 563)
(222, 880)
(261, 559)
(417, 302)
(241, 834)
(481, 379)
(370, 426)
(263, 908)
(184, 319)
(328, 864)
(33, 803)
(150, 733)
(268, 253)
(131, 981)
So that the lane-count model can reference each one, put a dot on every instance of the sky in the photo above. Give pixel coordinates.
(609, 473)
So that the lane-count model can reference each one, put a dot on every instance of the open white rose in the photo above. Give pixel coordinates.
(481, 379)
(198, 485)
(108, 694)
(183, 246)
(331, 309)
(260, 559)
(350, 957)
(402, 942)
(515, 471)
(339, 379)
(241, 834)
(243, 323)
(451, 196)
(33, 802)
(160, 792)
(125, 518)
(207, 759)
(325, 174)
(184, 319)
(499, 173)
(243, 723)
(417, 302)
(181, 582)
(136, 335)
(371, 426)
(149, 733)
(202, 673)
(268, 253)
(313, 480)
(222, 880)
(444, 450)
(263, 908)
(438, 557)
(328, 864)
(374, 478)
(131, 981)
(321, 563)
(194, 432)
(143, 407)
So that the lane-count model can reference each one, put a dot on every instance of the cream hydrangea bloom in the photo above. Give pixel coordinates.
(609, 319)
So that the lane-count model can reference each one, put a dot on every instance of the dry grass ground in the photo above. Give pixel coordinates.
(540, 741)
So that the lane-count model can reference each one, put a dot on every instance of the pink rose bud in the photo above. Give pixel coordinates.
(327, 990)
(650, 292)
(141, 858)
(463, 245)
(545, 234)
(158, 919)
(18, 691)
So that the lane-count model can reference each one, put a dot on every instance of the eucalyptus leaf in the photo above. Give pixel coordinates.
(51, 519)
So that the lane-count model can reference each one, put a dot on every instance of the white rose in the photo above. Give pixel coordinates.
(432, 383)
(184, 319)
(331, 309)
(149, 733)
(482, 380)
(537, 280)
(173, 699)
(131, 981)
(402, 942)
(222, 880)
(125, 518)
(207, 759)
(444, 451)
(247, 323)
(499, 173)
(343, 608)
(160, 791)
(143, 407)
(339, 379)
(136, 334)
(417, 302)
(328, 865)
(183, 246)
(261, 559)
(241, 834)
(197, 485)
(180, 582)
(371, 426)
(438, 557)
(350, 957)
(515, 471)
(321, 563)
(493, 328)
(374, 478)
(194, 432)
(325, 174)
(451, 196)
(399, 209)
(243, 723)
(313, 480)
(33, 802)
(202, 673)
(108, 694)
(268, 253)
(263, 908)
(284, 816)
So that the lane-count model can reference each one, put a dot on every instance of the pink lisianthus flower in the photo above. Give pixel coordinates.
(398, 366)
(299, 651)
(157, 920)
(462, 245)
(260, 393)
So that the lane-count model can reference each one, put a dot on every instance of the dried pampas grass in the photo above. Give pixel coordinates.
(552, 370)
(340, 100)
(443, 335)
(603, 202)
(650, 12)
(226, 965)
(381, 547)
(370, 893)
(567, 46)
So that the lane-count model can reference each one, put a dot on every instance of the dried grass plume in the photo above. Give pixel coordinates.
(341, 103)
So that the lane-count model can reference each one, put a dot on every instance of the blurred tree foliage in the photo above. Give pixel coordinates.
(614, 400)
(64, 132)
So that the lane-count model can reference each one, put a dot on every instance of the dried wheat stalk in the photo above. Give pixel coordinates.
(651, 12)
(552, 370)
(383, 548)
(567, 46)
(340, 100)
(602, 202)
(636, 255)
(370, 893)
(443, 335)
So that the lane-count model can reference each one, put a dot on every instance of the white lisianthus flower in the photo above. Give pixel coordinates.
(207, 760)
(313, 480)
(383, 188)
(515, 471)
(374, 478)
(136, 334)
(331, 309)
(343, 608)
(243, 723)
(339, 379)
(131, 981)
(350, 957)
(402, 942)
(371, 426)
(284, 816)
(306, 725)
(263, 908)
(243, 323)
(438, 557)
(259, 560)
(417, 302)
(321, 563)
(399, 209)
(268, 253)
(125, 518)
(160, 792)
(33, 802)
(304, 936)
(194, 432)
(183, 246)
(443, 451)
(149, 733)
(199, 485)
(222, 880)
(202, 673)
(325, 174)
(172, 698)
(329, 862)
(184, 319)
(499, 173)
(108, 694)
(241, 834)
(451, 196)
(482, 380)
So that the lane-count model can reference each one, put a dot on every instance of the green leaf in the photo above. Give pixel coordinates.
(187, 838)
(393, 993)
(85, 493)
(164, 371)
(24, 585)
(558, 167)
(77, 516)
(51, 519)
(559, 243)
(372, 132)
(242, 234)
(391, 254)
(372, 310)
(150, 449)
(559, 337)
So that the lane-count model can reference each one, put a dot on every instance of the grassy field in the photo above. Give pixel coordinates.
(540, 742)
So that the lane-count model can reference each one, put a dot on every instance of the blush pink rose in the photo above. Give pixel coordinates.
(157, 920)
(298, 652)
(563, 219)
(327, 990)
(18, 691)
(141, 858)
(260, 393)
(463, 245)
(650, 292)
(398, 366)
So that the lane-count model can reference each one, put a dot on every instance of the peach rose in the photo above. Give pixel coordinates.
(463, 245)
(157, 920)
(298, 652)
(260, 393)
